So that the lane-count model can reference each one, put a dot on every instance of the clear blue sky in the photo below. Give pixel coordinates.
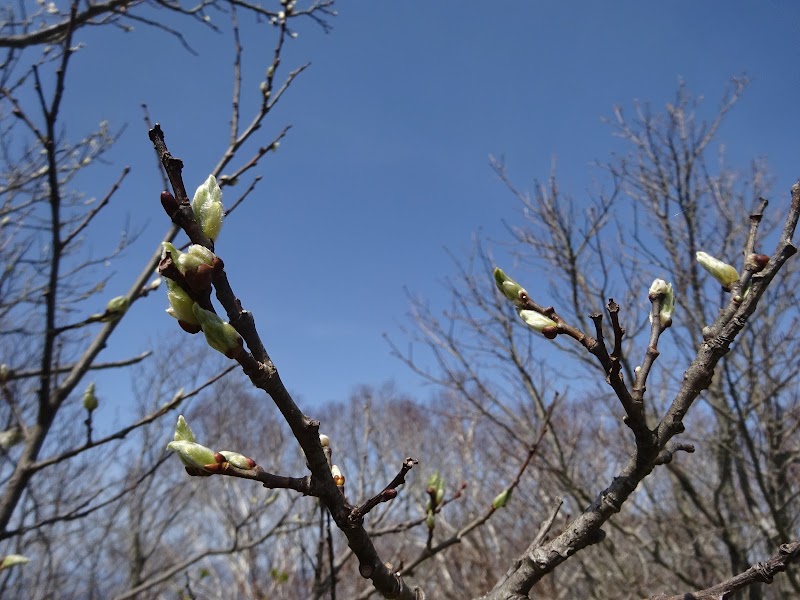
(386, 165)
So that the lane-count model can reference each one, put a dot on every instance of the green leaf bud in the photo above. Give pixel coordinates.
(193, 454)
(183, 433)
(722, 272)
(238, 460)
(536, 320)
(202, 253)
(11, 560)
(510, 288)
(89, 399)
(501, 499)
(117, 307)
(194, 257)
(207, 207)
(220, 335)
(430, 520)
(662, 289)
(180, 304)
(11, 437)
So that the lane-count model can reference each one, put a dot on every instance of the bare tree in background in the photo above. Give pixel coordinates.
(702, 517)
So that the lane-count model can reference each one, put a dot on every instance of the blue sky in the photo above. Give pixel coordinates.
(386, 165)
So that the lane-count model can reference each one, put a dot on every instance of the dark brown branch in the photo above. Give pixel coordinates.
(388, 493)
(268, 480)
(263, 374)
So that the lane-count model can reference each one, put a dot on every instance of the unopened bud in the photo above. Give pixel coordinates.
(11, 437)
(238, 460)
(180, 304)
(207, 207)
(430, 520)
(193, 454)
(501, 499)
(324, 440)
(89, 399)
(510, 288)
(662, 289)
(117, 307)
(722, 272)
(12, 560)
(756, 262)
(220, 335)
(183, 433)
(194, 257)
(537, 321)
(550, 332)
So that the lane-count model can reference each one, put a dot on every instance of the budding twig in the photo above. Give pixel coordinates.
(388, 493)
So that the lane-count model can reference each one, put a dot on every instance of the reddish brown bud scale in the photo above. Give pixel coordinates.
(218, 457)
(758, 261)
(199, 279)
(390, 494)
(169, 203)
(550, 332)
(189, 327)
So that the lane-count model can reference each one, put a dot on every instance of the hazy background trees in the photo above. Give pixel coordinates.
(101, 512)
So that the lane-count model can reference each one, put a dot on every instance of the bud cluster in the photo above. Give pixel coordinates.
(517, 294)
(200, 460)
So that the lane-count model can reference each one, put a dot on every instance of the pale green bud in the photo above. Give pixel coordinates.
(501, 499)
(180, 304)
(117, 306)
(202, 253)
(207, 207)
(4, 372)
(238, 460)
(510, 288)
(220, 335)
(193, 454)
(183, 433)
(536, 320)
(168, 249)
(11, 437)
(436, 487)
(194, 256)
(722, 272)
(664, 290)
(89, 399)
(430, 520)
(11, 560)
